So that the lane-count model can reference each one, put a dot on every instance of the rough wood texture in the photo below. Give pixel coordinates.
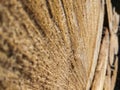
(113, 21)
(107, 83)
(51, 44)
(100, 72)
(114, 73)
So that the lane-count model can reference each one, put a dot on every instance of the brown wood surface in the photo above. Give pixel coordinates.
(101, 67)
(55, 44)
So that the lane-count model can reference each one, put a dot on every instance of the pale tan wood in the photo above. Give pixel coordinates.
(114, 73)
(113, 20)
(44, 43)
(102, 63)
(113, 47)
(110, 14)
(107, 84)
(114, 44)
(50, 44)
(111, 75)
(97, 46)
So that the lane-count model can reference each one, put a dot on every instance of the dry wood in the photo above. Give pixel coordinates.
(54, 44)
(107, 84)
(113, 20)
(44, 44)
(97, 46)
(114, 73)
(110, 14)
(111, 74)
(113, 47)
(100, 72)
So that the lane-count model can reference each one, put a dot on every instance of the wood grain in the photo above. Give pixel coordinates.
(102, 63)
(51, 44)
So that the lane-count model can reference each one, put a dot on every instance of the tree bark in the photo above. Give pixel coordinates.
(54, 44)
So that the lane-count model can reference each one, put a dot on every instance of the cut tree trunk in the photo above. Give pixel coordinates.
(55, 44)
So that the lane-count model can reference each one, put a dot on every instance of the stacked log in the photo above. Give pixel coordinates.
(58, 45)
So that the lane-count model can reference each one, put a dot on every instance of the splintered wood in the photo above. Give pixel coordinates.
(100, 72)
(58, 45)
(107, 66)
(105, 76)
